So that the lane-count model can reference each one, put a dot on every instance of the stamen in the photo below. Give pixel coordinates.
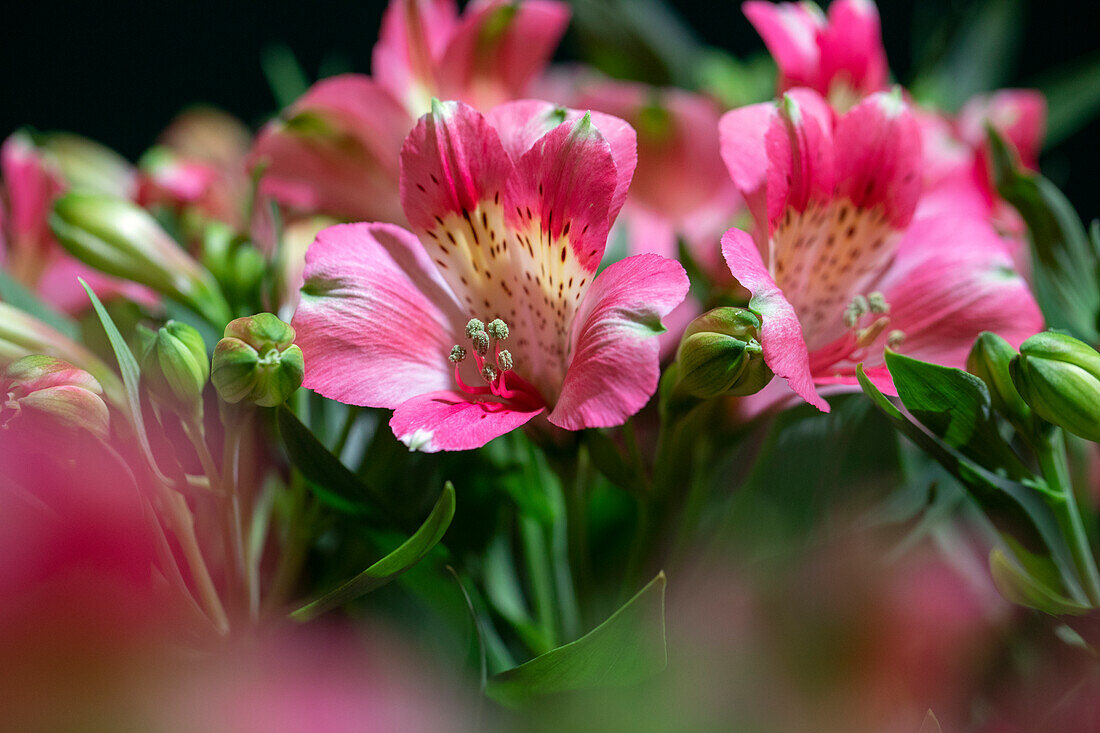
(489, 373)
(481, 342)
(895, 338)
(498, 329)
(858, 308)
(877, 302)
(865, 336)
(473, 327)
(504, 360)
(457, 354)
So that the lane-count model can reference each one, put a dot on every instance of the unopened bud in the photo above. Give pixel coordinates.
(44, 395)
(720, 355)
(174, 366)
(989, 361)
(122, 239)
(1058, 376)
(85, 165)
(257, 361)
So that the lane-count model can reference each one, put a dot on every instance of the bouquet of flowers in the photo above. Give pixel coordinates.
(664, 391)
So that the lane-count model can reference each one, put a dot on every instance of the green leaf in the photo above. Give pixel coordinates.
(16, 294)
(625, 649)
(285, 75)
(1022, 588)
(320, 466)
(1018, 510)
(131, 379)
(412, 551)
(1064, 261)
(955, 406)
(978, 58)
(1073, 98)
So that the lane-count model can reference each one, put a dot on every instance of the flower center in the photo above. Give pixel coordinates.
(866, 318)
(494, 365)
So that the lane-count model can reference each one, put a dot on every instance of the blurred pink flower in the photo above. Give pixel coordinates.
(513, 211)
(335, 151)
(28, 250)
(840, 56)
(843, 263)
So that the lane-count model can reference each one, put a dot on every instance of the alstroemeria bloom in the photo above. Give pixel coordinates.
(31, 182)
(495, 314)
(841, 56)
(680, 188)
(841, 267)
(335, 151)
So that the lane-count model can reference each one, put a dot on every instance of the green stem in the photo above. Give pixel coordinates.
(345, 430)
(1052, 462)
(540, 576)
(183, 526)
(235, 421)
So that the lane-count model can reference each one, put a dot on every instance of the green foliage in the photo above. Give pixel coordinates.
(411, 552)
(626, 648)
(1064, 270)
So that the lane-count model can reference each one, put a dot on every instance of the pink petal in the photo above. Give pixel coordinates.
(790, 32)
(521, 124)
(781, 335)
(952, 279)
(851, 46)
(450, 162)
(498, 48)
(336, 151)
(375, 321)
(878, 157)
(742, 133)
(411, 41)
(562, 194)
(614, 366)
(31, 190)
(1019, 115)
(448, 420)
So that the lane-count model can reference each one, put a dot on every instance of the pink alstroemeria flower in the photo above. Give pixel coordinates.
(495, 314)
(841, 267)
(841, 56)
(28, 250)
(335, 151)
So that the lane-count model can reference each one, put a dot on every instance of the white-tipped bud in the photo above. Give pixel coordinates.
(457, 354)
(498, 329)
(504, 360)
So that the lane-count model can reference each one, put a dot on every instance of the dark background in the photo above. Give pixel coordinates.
(117, 72)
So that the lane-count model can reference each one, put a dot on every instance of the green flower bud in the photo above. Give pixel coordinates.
(122, 239)
(88, 166)
(22, 335)
(43, 394)
(174, 366)
(1058, 376)
(258, 361)
(989, 361)
(719, 355)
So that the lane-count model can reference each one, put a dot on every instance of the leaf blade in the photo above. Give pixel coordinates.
(404, 557)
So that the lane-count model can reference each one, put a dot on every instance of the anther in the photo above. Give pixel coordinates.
(858, 308)
(473, 327)
(498, 329)
(489, 373)
(457, 354)
(504, 360)
(481, 342)
(877, 302)
(894, 338)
